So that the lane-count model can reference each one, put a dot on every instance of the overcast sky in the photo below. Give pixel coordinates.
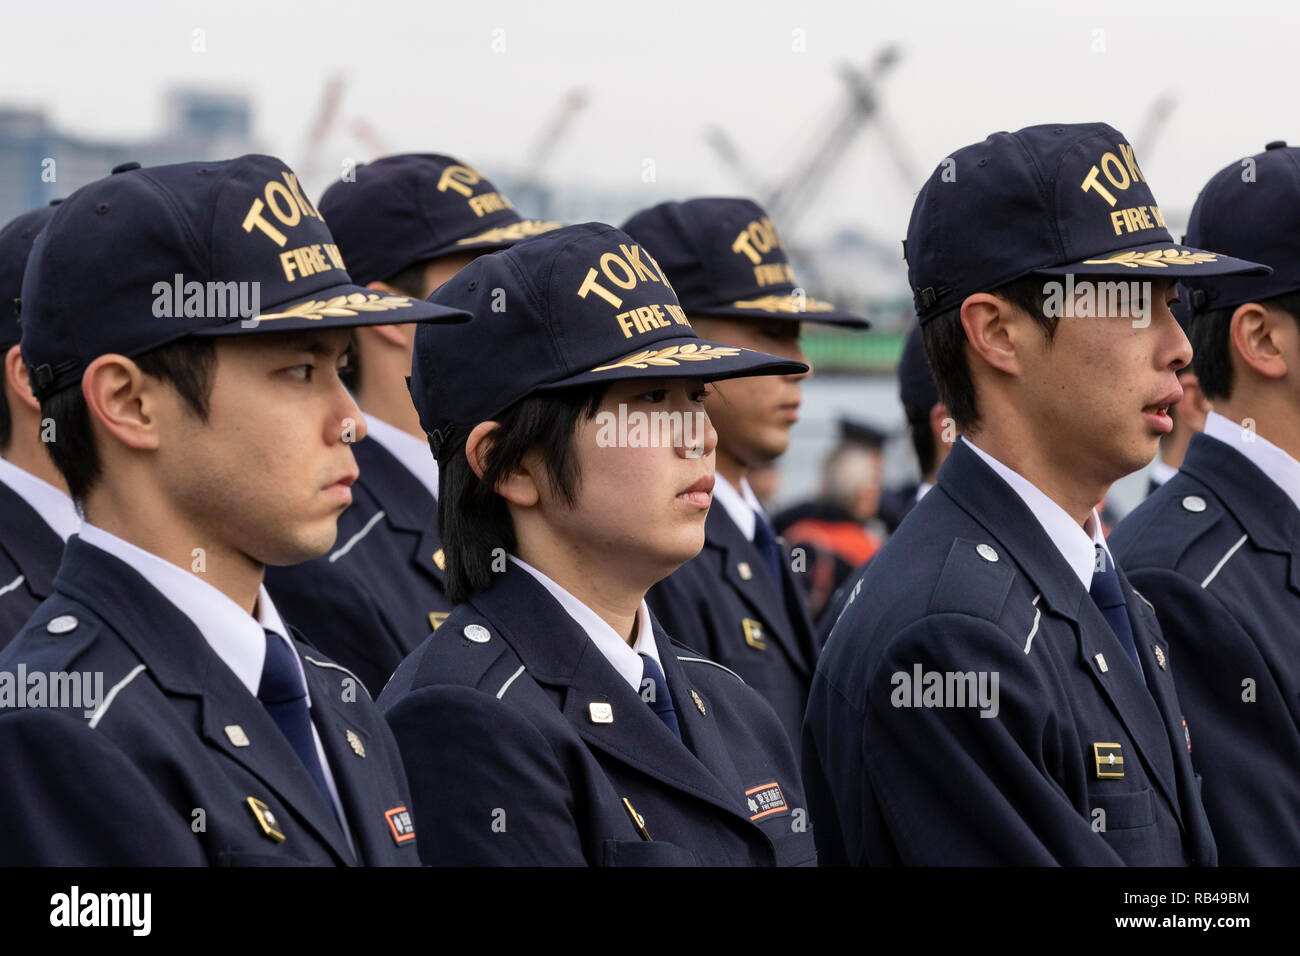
(479, 80)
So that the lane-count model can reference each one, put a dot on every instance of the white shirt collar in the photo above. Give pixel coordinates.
(922, 489)
(231, 632)
(1162, 471)
(624, 658)
(55, 508)
(1281, 468)
(414, 453)
(1077, 546)
(741, 506)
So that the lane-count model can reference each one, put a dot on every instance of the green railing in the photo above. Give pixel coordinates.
(836, 350)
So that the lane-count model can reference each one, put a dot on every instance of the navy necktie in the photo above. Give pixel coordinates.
(1109, 597)
(765, 542)
(284, 696)
(654, 691)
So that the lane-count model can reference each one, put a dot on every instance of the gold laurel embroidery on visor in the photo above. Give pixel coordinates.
(513, 232)
(673, 355)
(784, 303)
(1158, 258)
(340, 305)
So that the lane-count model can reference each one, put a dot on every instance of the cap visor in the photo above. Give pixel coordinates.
(686, 357)
(783, 307)
(503, 237)
(340, 306)
(1159, 259)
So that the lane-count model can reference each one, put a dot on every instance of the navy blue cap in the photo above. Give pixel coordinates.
(862, 433)
(1047, 200)
(147, 256)
(579, 305)
(725, 258)
(409, 208)
(916, 388)
(16, 240)
(1250, 209)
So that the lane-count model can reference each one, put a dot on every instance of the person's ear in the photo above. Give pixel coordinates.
(941, 425)
(15, 373)
(1257, 335)
(519, 487)
(123, 400)
(992, 329)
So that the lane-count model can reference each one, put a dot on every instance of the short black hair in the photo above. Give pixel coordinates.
(409, 282)
(945, 346)
(1212, 344)
(918, 425)
(473, 520)
(187, 364)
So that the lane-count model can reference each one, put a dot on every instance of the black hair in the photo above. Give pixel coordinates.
(188, 365)
(945, 347)
(473, 520)
(1211, 335)
(918, 424)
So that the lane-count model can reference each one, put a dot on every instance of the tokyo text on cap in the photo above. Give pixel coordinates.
(725, 258)
(413, 207)
(147, 256)
(582, 304)
(1049, 200)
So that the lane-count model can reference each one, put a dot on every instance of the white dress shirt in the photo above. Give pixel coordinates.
(232, 633)
(1076, 544)
(414, 453)
(55, 508)
(1162, 471)
(623, 657)
(741, 506)
(923, 488)
(1262, 453)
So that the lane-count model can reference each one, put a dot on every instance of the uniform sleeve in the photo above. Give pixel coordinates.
(70, 798)
(972, 785)
(1233, 708)
(487, 786)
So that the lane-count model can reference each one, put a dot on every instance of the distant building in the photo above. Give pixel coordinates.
(41, 163)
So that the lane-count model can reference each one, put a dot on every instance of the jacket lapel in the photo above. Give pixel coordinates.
(699, 723)
(1139, 708)
(557, 652)
(746, 572)
(334, 727)
(982, 493)
(182, 663)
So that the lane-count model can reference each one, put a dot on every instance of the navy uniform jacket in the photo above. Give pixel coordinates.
(510, 762)
(972, 584)
(162, 772)
(1217, 551)
(29, 556)
(371, 601)
(895, 504)
(723, 601)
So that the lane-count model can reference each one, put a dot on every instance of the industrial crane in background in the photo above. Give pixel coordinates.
(789, 197)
